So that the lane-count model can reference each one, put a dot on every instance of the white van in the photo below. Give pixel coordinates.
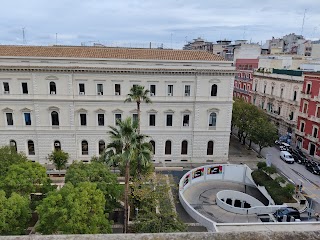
(286, 156)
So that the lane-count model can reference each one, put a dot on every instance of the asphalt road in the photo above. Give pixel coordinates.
(296, 173)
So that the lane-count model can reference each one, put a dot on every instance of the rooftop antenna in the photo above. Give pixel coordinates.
(56, 38)
(304, 16)
(24, 41)
(171, 40)
(244, 32)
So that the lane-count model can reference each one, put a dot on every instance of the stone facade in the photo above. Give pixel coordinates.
(279, 95)
(87, 88)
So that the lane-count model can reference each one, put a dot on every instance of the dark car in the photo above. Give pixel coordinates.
(296, 156)
(313, 169)
(289, 212)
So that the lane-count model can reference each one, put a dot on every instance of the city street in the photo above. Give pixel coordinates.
(296, 173)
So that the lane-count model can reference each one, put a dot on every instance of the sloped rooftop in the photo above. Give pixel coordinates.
(106, 52)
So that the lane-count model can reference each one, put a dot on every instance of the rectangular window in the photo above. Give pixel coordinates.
(9, 119)
(305, 108)
(152, 120)
(169, 120)
(318, 112)
(315, 132)
(81, 89)
(302, 127)
(186, 120)
(135, 117)
(170, 90)
(117, 117)
(152, 90)
(117, 89)
(6, 87)
(83, 119)
(100, 89)
(24, 88)
(100, 119)
(27, 118)
(187, 90)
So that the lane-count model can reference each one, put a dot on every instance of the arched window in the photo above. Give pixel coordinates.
(214, 90)
(184, 147)
(84, 147)
(167, 150)
(102, 146)
(55, 118)
(53, 89)
(153, 145)
(13, 145)
(31, 150)
(57, 145)
(210, 148)
(212, 119)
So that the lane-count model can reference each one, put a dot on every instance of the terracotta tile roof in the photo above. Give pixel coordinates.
(106, 52)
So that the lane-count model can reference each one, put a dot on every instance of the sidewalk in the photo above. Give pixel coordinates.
(239, 153)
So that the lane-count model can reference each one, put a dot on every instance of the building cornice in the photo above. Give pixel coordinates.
(278, 78)
(131, 71)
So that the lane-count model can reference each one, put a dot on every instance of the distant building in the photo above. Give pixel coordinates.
(291, 62)
(244, 77)
(308, 126)
(278, 93)
(220, 48)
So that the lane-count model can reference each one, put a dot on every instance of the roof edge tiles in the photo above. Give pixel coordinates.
(106, 52)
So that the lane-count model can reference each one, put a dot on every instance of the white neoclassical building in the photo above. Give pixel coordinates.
(65, 97)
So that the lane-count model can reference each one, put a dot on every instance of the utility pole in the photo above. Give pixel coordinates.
(23, 36)
(304, 17)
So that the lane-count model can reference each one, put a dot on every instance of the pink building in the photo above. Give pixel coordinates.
(244, 77)
(308, 124)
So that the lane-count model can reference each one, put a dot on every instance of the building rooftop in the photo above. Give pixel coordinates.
(106, 52)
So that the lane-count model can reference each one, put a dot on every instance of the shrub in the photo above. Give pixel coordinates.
(261, 165)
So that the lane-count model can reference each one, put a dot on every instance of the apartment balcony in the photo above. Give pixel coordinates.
(312, 139)
(241, 90)
(292, 102)
(297, 132)
(315, 119)
(274, 115)
(290, 122)
(306, 96)
(316, 98)
(304, 115)
(243, 79)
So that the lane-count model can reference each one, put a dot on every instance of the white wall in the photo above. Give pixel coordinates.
(68, 102)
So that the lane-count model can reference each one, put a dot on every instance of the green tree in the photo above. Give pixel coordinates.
(138, 94)
(264, 133)
(59, 158)
(155, 209)
(15, 214)
(8, 157)
(74, 210)
(96, 172)
(25, 178)
(126, 138)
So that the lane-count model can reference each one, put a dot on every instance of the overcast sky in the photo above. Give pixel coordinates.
(135, 23)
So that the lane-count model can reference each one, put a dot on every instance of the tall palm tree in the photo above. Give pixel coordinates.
(138, 94)
(127, 145)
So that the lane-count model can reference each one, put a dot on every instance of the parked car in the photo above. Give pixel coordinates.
(288, 211)
(313, 169)
(286, 156)
(285, 147)
(297, 158)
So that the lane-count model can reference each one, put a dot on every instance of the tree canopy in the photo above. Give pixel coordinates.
(15, 214)
(8, 157)
(74, 210)
(253, 123)
(99, 173)
(59, 158)
(24, 178)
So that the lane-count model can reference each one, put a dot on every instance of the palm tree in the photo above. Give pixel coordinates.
(128, 145)
(138, 94)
